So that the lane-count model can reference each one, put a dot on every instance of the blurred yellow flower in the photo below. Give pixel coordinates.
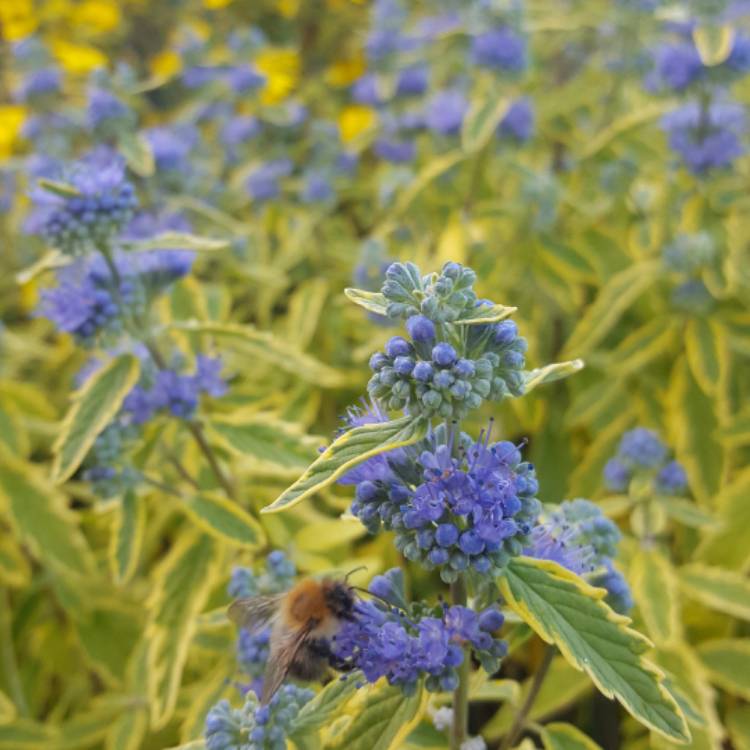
(216, 4)
(29, 294)
(288, 8)
(281, 69)
(96, 15)
(166, 63)
(345, 71)
(78, 59)
(11, 119)
(17, 19)
(354, 120)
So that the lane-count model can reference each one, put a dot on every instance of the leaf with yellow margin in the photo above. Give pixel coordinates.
(566, 611)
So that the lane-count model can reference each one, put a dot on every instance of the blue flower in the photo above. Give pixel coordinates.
(413, 81)
(445, 112)
(172, 147)
(518, 121)
(101, 204)
(317, 188)
(395, 151)
(39, 84)
(706, 138)
(501, 49)
(739, 58)
(642, 448)
(678, 65)
(244, 78)
(105, 109)
(619, 596)
(671, 479)
(196, 76)
(549, 541)
(263, 184)
(366, 90)
(616, 475)
(240, 129)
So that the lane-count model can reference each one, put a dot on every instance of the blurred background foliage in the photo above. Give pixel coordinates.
(615, 241)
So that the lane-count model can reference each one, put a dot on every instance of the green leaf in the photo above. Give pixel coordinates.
(736, 431)
(738, 724)
(23, 734)
(180, 588)
(561, 736)
(687, 513)
(481, 122)
(655, 590)
(127, 537)
(692, 424)
(137, 152)
(728, 545)
(707, 349)
(348, 450)
(7, 709)
(267, 443)
(326, 706)
(714, 43)
(485, 314)
(63, 189)
(263, 346)
(550, 373)
(224, 519)
(92, 410)
(382, 720)
(614, 298)
(723, 590)
(15, 570)
(641, 347)
(179, 241)
(128, 730)
(373, 302)
(321, 536)
(727, 662)
(566, 611)
(41, 517)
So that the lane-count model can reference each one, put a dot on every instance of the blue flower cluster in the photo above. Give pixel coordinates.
(89, 300)
(439, 371)
(706, 132)
(641, 450)
(454, 504)
(386, 641)
(94, 205)
(106, 112)
(577, 536)
(254, 727)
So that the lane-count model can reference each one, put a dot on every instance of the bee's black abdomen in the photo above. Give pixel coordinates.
(311, 660)
(340, 601)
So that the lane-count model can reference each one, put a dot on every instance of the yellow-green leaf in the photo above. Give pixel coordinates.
(486, 314)
(718, 588)
(179, 241)
(373, 302)
(92, 410)
(616, 296)
(481, 122)
(728, 545)
(550, 373)
(15, 570)
(738, 723)
(41, 517)
(126, 537)
(692, 424)
(642, 346)
(128, 730)
(561, 736)
(224, 519)
(714, 43)
(7, 709)
(688, 513)
(348, 450)
(321, 536)
(707, 349)
(737, 430)
(382, 720)
(327, 705)
(22, 734)
(727, 662)
(566, 611)
(137, 152)
(655, 590)
(180, 588)
(263, 346)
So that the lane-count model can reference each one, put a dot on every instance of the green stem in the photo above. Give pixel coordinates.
(460, 726)
(8, 663)
(536, 684)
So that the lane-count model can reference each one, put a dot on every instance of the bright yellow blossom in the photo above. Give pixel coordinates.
(78, 59)
(17, 19)
(355, 120)
(345, 71)
(11, 119)
(166, 63)
(98, 16)
(281, 69)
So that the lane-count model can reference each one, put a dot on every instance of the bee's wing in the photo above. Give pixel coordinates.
(254, 612)
(285, 644)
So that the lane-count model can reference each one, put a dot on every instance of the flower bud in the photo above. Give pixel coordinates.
(420, 328)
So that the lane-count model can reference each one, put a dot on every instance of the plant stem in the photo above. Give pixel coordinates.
(460, 726)
(8, 661)
(523, 713)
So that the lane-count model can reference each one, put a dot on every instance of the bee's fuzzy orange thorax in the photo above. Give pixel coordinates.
(305, 602)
